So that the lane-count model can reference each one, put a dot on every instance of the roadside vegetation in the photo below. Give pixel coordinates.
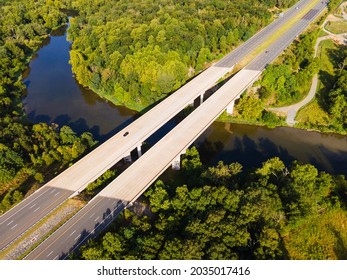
(257, 116)
(341, 11)
(328, 111)
(222, 212)
(337, 27)
(289, 78)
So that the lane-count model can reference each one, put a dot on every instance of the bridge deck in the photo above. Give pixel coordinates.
(138, 177)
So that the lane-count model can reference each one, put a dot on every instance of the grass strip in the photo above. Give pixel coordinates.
(277, 34)
(74, 203)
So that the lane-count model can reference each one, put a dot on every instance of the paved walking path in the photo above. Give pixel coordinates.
(292, 110)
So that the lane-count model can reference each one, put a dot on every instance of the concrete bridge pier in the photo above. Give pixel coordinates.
(139, 151)
(128, 158)
(176, 164)
(201, 98)
(230, 108)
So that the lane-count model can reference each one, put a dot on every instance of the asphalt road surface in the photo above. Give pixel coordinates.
(138, 177)
(16, 222)
(273, 51)
(259, 38)
(100, 212)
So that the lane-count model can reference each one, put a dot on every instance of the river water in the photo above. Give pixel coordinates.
(53, 95)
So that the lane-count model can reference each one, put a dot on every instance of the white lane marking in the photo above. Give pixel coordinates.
(36, 209)
(14, 226)
(10, 223)
(53, 191)
(78, 236)
(56, 257)
(97, 219)
(117, 207)
(33, 206)
(91, 215)
(50, 253)
(42, 190)
(72, 232)
(57, 193)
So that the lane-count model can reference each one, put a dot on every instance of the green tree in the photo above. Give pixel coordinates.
(250, 108)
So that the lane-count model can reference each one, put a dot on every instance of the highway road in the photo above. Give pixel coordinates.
(128, 186)
(273, 51)
(100, 212)
(89, 168)
(73, 180)
(250, 45)
(21, 218)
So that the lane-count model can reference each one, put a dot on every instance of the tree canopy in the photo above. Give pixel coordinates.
(28, 151)
(136, 52)
(226, 213)
(288, 80)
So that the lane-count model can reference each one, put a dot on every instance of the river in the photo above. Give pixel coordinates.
(53, 95)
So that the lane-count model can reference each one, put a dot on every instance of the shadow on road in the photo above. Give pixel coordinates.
(108, 216)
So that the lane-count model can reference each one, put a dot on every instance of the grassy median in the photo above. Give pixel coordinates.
(277, 34)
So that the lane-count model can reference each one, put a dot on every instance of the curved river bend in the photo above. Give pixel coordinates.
(53, 95)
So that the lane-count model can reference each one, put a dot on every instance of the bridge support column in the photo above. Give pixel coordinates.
(201, 98)
(230, 108)
(176, 164)
(139, 151)
(130, 204)
(128, 158)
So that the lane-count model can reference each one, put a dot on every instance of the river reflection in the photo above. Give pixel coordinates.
(251, 145)
(53, 95)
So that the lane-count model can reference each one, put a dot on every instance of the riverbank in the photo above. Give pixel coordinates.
(28, 150)
(50, 89)
(264, 118)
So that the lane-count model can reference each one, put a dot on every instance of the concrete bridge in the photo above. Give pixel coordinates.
(76, 178)
(129, 185)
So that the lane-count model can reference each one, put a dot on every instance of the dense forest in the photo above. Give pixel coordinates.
(222, 212)
(136, 52)
(28, 151)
